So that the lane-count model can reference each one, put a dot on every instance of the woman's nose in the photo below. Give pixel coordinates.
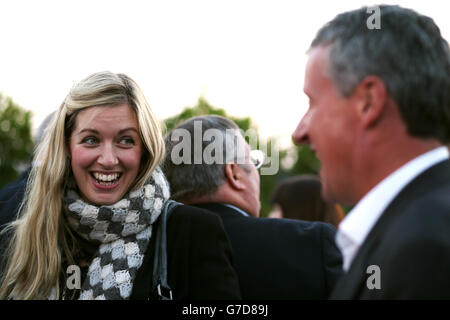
(108, 157)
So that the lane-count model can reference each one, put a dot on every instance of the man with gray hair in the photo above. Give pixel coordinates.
(379, 120)
(209, 165)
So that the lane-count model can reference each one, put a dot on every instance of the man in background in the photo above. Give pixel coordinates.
(274, 258)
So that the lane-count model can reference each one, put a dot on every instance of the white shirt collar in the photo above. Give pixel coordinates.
(354, 229)
(236, 208)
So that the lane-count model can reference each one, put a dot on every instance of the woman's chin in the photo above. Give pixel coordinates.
(103, 199)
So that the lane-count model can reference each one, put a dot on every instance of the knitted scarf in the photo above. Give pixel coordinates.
(123, 231)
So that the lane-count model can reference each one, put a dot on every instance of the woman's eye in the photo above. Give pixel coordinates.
(90, 140)
(127, 140)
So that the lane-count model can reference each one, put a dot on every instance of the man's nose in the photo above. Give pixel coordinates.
(300, 135)
(108, 157)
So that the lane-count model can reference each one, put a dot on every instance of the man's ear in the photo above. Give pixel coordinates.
(234, 176)
(371, 94)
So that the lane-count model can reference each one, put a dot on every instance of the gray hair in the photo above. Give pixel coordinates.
(408, 53)
(190, 180)
(42, 127)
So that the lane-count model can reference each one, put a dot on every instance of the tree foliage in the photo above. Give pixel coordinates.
(16, 144)
(204, 108)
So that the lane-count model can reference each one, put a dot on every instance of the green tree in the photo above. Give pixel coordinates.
(203, 108)
(16, 144)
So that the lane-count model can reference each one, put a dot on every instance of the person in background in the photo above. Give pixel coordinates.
(276, 259)
(12, 194)
(93, 200)
(300, 198)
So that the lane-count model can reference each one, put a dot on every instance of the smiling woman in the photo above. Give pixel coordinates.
(105, 150)
(94, 200)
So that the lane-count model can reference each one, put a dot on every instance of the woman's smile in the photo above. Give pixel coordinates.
(105, 181)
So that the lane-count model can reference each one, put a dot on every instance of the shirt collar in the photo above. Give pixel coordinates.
(236, 208)
(362, 218)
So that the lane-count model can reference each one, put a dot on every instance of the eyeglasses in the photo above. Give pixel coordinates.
(257, 157)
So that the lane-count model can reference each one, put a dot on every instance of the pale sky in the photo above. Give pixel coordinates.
(247, 57)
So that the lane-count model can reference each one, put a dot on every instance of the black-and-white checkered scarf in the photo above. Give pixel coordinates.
(123, 230)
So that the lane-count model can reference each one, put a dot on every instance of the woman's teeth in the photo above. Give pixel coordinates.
(106, 179)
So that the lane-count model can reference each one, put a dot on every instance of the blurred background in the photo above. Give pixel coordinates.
(241, 59)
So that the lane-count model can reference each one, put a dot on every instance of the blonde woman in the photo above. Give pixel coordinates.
(92, 204)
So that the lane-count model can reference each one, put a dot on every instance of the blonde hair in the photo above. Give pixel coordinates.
(40, 238)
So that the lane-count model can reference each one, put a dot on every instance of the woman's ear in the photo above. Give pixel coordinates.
(234, 176)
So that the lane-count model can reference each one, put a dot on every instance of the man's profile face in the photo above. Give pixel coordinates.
(328, 127)
(252, 181)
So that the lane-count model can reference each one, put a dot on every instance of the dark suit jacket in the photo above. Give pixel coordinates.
(281, 258)
(11, 197)
(200, 262)
(410, 244)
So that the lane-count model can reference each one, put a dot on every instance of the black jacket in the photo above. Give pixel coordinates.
(281, 258)
(410, 244)
(11, 197)
(200, 262)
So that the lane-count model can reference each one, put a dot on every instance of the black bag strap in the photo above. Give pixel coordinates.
(160, 283)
